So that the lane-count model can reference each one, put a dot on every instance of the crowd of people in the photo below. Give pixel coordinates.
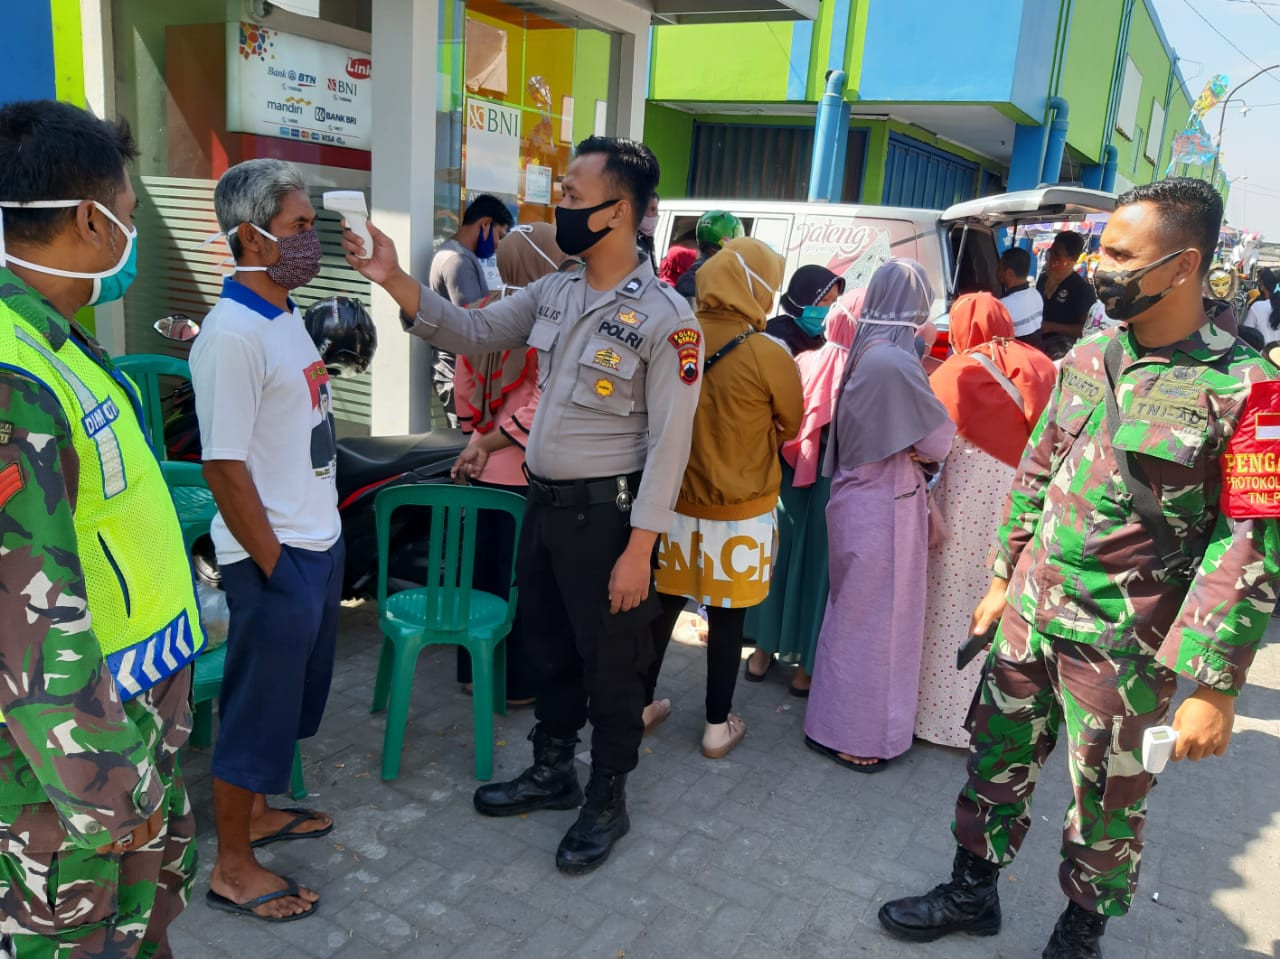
(820, 484)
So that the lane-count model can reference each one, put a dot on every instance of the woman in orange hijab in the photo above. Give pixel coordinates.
(994, 388)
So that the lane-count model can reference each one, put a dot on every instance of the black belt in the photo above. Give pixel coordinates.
(618, 490)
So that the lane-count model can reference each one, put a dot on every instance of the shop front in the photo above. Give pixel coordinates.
(421, 104)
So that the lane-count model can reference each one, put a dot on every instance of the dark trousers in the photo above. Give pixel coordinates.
(280, 650)
(495, 540)
(724, 652)
(589, 663)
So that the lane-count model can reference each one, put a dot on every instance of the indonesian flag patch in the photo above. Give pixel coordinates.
(11, 483)
(686, 342)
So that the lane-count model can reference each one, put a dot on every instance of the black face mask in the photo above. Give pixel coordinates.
(1119, 291)
(573, 234)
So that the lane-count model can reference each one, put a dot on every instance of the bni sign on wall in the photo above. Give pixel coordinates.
(280, 85)
(492, 148)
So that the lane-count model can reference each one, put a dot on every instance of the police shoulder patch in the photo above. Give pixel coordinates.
(686, 342)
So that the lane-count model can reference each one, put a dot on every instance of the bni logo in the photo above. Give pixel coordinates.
(481, 116)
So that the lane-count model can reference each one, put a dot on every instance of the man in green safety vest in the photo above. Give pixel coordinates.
(98, 614)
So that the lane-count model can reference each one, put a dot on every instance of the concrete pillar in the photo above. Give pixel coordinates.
(405, 35)
(1025, 164)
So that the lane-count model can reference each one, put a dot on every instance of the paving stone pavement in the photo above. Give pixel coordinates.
(772, 852)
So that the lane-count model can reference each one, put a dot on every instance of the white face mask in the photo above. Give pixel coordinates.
(648, 224)
(129, 237)
(752, 274)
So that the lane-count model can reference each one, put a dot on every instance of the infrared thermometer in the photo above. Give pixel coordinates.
(350, 204)
(1157, 747)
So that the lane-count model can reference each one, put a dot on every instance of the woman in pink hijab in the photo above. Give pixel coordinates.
(787, 623)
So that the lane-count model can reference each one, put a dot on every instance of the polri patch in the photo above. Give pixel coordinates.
(609, 359)
(631, 317)
(686, 342)
(11, 483)
(624, 335)
(6, 433)
(604, 387)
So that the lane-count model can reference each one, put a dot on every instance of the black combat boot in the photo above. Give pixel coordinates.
(1076, 935)
(968, 903)
(550, 783)
(602, 822)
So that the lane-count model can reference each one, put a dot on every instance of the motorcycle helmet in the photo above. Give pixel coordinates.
(343, 332)
(715, 227)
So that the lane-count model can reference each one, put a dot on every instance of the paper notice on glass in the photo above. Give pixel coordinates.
(537, 184)
(602, 117)
(566, 119)
(492, 148)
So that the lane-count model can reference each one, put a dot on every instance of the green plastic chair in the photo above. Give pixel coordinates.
(206, 682)
(191, 498)
(145, 369)
(447, 610)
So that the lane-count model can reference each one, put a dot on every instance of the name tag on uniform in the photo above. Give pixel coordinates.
(1088, 389)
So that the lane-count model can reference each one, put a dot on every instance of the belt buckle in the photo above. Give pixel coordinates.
(623, 500)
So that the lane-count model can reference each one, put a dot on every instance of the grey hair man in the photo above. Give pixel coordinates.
(252, 193)
(267, 437)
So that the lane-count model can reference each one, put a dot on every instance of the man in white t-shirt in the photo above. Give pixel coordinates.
(269, 448)
(1023, 301)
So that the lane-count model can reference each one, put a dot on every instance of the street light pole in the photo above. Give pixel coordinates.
(1222, 117)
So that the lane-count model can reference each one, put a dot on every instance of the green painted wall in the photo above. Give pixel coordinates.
(590, 79)
(1086, 73)
(1149, 56)
(669, 134)
(742, 62)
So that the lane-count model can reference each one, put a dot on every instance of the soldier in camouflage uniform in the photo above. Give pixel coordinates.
(96, 852)
(1095, 625)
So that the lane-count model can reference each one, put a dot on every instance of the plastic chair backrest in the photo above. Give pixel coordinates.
(145, 369)
(451, 545)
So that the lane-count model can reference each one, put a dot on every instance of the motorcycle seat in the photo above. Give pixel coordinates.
(364, 460)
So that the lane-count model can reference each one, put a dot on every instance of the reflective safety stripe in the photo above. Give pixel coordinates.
(153, 659)
(98, 417)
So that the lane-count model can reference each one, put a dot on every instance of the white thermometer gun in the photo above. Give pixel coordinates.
(1157, 747)
(350, 203)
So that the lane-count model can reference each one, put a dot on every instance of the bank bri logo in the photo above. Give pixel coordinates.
(256, 41)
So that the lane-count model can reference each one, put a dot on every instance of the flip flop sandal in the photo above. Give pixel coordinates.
(286, 833)
(216, 901)
(751, 677)
(659, 717)
(835, 757)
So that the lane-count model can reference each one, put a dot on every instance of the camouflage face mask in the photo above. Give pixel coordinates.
(1120, 292)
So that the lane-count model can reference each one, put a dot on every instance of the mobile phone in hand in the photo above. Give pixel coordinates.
(974, 645)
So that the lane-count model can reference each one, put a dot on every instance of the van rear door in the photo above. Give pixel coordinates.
(968, 230)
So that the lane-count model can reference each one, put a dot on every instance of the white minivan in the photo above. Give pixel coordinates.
(957, 246)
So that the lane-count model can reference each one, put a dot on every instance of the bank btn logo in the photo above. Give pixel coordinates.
(256, 41)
